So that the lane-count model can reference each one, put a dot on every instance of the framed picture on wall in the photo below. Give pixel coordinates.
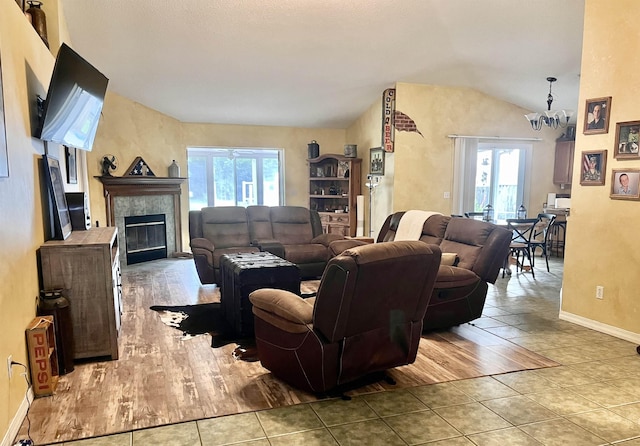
(594, 163)
(596, 115)
(625, 184)
(59, 212)
(376, 156)
(627, 140)
(72, 166)
(4, 158)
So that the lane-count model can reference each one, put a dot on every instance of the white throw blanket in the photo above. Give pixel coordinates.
(411, 223)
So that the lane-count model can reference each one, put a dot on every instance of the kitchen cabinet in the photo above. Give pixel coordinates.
(563, 165)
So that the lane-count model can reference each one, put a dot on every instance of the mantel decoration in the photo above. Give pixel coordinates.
(553, 119)
(140, 167)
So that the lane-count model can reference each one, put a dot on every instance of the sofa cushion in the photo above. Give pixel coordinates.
(226, 226)
(306, 253)
(291, 225)
(259, 218)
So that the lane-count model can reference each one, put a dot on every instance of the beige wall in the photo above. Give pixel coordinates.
(424, 164)
(128, 130)
(603, 245)
(26, 69)
(366, 132)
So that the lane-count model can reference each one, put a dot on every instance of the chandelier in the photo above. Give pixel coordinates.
(553, 119)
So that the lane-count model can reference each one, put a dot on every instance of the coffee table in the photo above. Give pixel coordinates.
(244, 273)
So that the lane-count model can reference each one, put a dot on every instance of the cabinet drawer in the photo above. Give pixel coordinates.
(327, 218)
(338, 229)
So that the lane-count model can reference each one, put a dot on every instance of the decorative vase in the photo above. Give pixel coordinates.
(38, 19)
(174, 170)
(314, 149)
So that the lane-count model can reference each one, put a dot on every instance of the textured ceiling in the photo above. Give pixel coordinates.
(322, 63)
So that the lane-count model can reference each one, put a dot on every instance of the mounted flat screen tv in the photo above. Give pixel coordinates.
(71, 112)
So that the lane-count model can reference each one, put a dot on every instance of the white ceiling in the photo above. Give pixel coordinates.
(322, 63)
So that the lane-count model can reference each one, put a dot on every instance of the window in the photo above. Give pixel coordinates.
(234, 177)
(491, 173)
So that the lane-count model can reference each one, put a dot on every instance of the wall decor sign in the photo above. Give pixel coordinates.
(627, 140)
(596, 115)
(625, 184)
(388, 112)
(594, 163)
(4, 157)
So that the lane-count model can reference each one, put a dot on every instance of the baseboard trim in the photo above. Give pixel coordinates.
(19, 417)
(599, 326)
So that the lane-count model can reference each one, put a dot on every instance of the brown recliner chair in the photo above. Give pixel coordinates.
(367, 317)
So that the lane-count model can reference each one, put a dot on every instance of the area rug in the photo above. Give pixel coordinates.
(208, 318)
(194, 320)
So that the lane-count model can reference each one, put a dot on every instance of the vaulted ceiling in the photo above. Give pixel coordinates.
(322, 63)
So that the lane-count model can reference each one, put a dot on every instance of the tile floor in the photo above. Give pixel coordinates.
(593, 398)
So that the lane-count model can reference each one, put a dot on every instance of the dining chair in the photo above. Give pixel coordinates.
(522, 230)
(541, 236)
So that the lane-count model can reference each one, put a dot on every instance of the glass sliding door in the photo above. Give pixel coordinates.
(499, 180)
(493, 173)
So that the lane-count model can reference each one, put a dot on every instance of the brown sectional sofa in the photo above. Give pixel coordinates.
(460, 290)
(293, 233)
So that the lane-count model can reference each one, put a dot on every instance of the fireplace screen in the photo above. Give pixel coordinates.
(146, 238)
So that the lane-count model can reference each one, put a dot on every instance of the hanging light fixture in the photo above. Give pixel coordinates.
(553, 119)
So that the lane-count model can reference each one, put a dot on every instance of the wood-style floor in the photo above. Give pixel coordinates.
(162, 378)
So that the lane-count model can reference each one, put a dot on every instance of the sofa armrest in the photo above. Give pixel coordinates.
(202, 243)
(284, 309)
(336, 247)
(326, 239)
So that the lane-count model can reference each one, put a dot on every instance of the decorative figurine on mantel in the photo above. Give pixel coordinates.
(109, 163)
(139, 167)
(174, 170)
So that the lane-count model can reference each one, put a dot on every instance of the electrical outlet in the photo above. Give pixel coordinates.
(599, 292)
(447, 195)
(9, 361)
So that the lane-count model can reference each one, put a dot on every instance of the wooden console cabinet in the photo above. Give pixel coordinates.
(334, 184)
(87, 267)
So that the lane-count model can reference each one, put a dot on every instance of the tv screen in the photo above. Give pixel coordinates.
(74, 101)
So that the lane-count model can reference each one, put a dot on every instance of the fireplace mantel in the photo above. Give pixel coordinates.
(136, 185)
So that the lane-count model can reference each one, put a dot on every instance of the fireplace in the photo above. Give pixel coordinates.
(132, 196)
(146, 238)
